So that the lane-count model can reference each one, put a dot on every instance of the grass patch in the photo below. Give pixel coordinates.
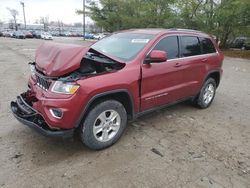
(237, 53)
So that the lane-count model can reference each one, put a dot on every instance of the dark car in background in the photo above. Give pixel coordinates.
(89, 36)
(246, 45)
(18, 35)
(238, 42)
(36, 34)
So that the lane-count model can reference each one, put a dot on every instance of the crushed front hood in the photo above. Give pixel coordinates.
(56, 59)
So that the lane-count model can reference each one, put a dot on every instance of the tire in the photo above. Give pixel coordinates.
(206, 95)
(98, 131)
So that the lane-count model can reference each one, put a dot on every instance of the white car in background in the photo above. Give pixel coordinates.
(99, 36)
(46, 36)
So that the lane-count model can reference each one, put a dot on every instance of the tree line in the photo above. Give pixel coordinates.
(223, 18)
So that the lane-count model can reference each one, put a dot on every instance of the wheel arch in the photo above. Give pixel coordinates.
(121, 95)
(216, 75)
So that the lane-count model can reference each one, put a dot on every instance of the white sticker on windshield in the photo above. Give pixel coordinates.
(139, 40)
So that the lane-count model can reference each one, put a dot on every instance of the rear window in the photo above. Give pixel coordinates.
(207, 46)
(190, 46)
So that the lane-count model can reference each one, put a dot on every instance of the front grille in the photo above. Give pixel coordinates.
(43, 82)
(25, 108)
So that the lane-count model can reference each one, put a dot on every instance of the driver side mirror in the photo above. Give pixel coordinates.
(156, 56)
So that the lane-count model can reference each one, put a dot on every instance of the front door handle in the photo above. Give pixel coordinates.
(204, 60)
(177, 65)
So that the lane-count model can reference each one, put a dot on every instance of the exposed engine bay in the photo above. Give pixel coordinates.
(93, 63)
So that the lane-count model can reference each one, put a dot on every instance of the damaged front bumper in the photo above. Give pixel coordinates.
(27, 115)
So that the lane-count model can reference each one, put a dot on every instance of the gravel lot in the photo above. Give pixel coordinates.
(180, 146)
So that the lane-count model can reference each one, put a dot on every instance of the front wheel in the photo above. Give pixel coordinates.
(207, 94)
(104, 125)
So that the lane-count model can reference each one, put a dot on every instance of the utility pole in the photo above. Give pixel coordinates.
(22, 3)
(83, 25)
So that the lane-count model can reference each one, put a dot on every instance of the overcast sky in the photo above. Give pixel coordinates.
(34, 9)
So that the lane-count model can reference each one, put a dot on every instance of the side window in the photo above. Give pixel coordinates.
(190, 46)
(207, 46)
(169, 45)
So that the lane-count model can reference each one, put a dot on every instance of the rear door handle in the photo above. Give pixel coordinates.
(177, 65)
(204, 60)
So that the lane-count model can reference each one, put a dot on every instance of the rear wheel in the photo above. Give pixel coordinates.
(104, 125)
(207, 94)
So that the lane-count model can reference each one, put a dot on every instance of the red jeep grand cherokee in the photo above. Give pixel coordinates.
(96, 90)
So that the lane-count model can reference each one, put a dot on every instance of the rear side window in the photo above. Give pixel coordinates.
(207, 46)
(169, 45)
(190, 46)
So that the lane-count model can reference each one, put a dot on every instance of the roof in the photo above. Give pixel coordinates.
(158, 31)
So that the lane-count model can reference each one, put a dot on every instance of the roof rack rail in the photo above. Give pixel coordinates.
(178, 29)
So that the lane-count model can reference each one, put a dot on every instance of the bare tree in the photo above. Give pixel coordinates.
(60, 26)
(45, 22)
(14, 14)
(11, 24)
(1, 23)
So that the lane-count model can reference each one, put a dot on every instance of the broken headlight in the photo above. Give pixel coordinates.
(33, 70)
(64, 87)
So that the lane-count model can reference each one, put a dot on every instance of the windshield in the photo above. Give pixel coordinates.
(124, 46)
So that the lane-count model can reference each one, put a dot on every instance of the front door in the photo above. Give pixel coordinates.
(162, 83)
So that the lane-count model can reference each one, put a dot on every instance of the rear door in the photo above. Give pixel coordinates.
(162, 83)
(194, 63)
(208, 50)
(197, 55)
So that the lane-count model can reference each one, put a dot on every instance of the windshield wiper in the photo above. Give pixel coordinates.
(99, 57)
